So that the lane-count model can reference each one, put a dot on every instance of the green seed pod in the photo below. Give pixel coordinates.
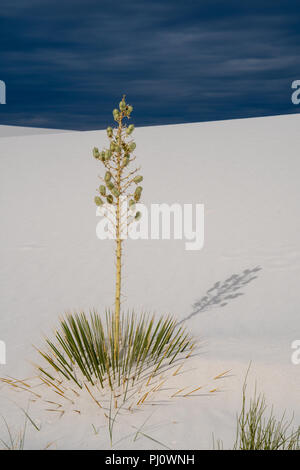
(130, 129)
(115, 192)
(131, 203)
(138, 215)
(112, 146)
(126, 160)
(98, 201)
(109, 132)
(118, 149)
(138, 193)
(130, 109)
(102, 156)
(132, 146)
(110, 185)
(96, 152)
(102, 190)
(107, 176)
(110, 199)
(122, 105)
(107, 154)
(138, 179)
(116, 114)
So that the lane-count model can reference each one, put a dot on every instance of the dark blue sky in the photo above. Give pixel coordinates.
(66, 63)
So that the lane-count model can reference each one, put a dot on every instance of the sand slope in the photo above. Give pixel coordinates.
(246, 173)
(15, 131)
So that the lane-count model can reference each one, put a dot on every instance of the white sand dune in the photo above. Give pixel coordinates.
(16, 131)
(246, 173)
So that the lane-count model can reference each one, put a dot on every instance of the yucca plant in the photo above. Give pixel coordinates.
(84, 348)
(119, 183)
(115, 349)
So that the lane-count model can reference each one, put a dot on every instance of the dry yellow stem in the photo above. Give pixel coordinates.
(96, 401)
(145, 396)
(141, 400)
(195, 390)
(119, 243)
(148, 381)
(160, 385)
(222, 374)
(178, 391)
(49, 384)
(176, 371)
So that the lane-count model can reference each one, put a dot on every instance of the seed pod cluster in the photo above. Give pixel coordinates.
(118, 149)
(114, 147)
(124, 108)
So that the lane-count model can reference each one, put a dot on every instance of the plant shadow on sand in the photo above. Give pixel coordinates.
(223, 292)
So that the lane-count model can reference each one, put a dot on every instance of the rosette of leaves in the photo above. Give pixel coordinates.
(82, 350)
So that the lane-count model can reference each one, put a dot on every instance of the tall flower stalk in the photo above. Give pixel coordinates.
(119, 184)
